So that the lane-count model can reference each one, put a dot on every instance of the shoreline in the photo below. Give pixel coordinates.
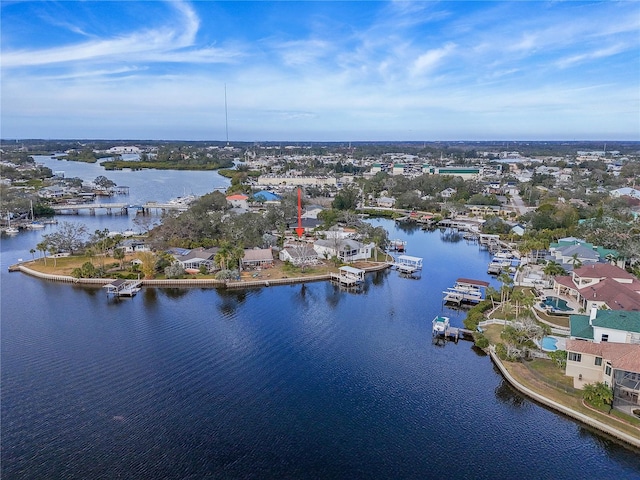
(624, 437)
(187, 282)
(627, 439)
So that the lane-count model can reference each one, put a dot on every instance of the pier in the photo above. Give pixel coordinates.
(466, 290)
(348, 276)
(443, 331)
(123, 288)
(408, 265)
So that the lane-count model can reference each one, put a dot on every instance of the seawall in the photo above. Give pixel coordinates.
(581, 417)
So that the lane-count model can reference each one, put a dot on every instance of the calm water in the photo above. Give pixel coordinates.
(281, 382)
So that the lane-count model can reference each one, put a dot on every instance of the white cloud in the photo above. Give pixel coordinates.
(429, 60)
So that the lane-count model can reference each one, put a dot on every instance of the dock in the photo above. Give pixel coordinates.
(408, 265)
(466, 290)
(123, 288)
(348, 276)
(443, 331)
(398, 245)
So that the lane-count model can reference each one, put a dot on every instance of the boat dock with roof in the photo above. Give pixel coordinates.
(348, 276)
(466, 290)
(123, 288)
(408, 265)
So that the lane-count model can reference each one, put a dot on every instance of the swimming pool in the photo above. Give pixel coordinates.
(549, 344)
(556, 304)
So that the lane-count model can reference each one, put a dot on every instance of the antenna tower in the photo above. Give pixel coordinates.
(226, 117)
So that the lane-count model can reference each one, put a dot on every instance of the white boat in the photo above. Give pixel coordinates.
(10, 230)
(34, 225)
(440, 325)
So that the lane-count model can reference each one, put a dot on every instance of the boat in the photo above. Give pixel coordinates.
(10, 230)
(34, 225)
(440, 325)
(397, 245)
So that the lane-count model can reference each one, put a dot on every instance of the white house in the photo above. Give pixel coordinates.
(346, 249)
(238, 201)
(299, 255)
(386, 202)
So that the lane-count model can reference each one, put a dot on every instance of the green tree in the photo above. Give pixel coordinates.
(119, 255)
(598, 394)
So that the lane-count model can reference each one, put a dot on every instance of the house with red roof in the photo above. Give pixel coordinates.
(600, 284)
(614, 364)
(239, 201)
(605, 347)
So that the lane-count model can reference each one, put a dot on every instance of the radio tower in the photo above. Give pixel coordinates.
(226, 117)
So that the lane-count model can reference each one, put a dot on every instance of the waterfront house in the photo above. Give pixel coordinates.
(602, 285)
(196, 258)
(346, 249)
(257, 257)
(299, 255)
(614, 364)
(617, 326)
(131, 245)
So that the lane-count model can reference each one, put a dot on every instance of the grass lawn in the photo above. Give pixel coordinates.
(65, 265)
(573, 401)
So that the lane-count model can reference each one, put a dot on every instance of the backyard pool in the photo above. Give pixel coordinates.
(556, 304)
(549, 344)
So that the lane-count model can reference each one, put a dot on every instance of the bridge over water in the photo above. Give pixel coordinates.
(117, 208)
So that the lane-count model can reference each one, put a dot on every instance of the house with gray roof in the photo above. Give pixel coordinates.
(299, 255)
(196, 258)
(346, 249)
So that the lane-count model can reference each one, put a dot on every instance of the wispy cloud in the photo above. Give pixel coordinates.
(165, 43)
(351, 69)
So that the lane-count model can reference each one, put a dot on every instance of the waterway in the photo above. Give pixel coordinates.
(301, 381)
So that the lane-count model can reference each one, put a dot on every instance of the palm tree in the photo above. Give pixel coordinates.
(223, 255)
(575, 261)
(118, 254)
(552, 269)
(506, 282)
(598, 394)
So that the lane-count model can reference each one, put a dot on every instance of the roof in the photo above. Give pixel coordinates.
(623, 356)
(257, 255)
(600, 270)
(580, 328)
(341, 244)
(266, 196)
(617, 296)
(197, 253)
(579, 250)
(614, 319)
(470, 281)
(353, 270)
(237, 197)
(301, 251)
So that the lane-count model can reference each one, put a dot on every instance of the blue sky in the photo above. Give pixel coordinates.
(321, 71)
